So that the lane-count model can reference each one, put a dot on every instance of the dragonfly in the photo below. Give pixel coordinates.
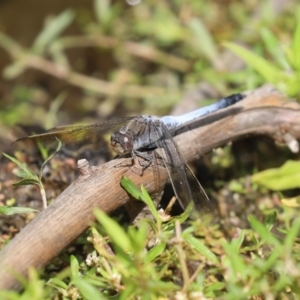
(138, 137)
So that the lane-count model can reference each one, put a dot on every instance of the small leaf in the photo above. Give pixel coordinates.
(270, 220)
(58, 283)
(201, 248)
(155, 252)
(273, 45)
(189, 212)
(52, 30)
(15, 69)
(22, 166)
(295, 57)
(8, 44)
(142, 195)
(59, 145)
(292, 87)
(22, 174)
(103, 11)
(27, 181)
(138, 237)
(292, 235)
(238, 241)
(234, 263)
(148, 201)
(74, 267)
(237, 186)
(291, 202)
(130, 187)
(263, 231)
(279, 179)
(114, 230)
(5, 210)
(217, 286)
(88, 291)
(261, 65)
(204, 39)
(54, 108)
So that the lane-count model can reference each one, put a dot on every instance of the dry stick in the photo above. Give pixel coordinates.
(143, 51)
(262, 112)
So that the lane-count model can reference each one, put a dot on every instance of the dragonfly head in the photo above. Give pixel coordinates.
(122, 143)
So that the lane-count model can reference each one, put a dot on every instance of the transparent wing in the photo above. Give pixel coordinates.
(74, 138)
(186, 186)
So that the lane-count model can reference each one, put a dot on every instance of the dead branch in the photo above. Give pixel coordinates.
(263, 112)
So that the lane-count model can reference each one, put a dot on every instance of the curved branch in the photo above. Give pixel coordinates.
(262, 112)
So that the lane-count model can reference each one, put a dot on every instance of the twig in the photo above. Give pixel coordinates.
(143, 51)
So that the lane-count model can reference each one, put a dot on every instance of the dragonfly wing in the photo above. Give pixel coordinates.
(203, 205)
(75, 138)
(186, 186)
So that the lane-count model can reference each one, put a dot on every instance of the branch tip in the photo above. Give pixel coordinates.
(291, 142)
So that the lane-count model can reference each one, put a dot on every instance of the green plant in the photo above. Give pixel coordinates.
(154, 260)
(284, 69)
(29, 177)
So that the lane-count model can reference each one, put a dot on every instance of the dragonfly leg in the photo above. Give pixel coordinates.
(144, 161)
(128, 163)
(144, 158)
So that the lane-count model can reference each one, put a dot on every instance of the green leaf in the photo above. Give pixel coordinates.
(147, 199)
(58, 283)
(52, 30)
(5, 210)
(189, 212)
(292, 235)
(131, 188)
(142, 195)
(270, 220)
(279, 179)
(237, 186)
(201, 248)
(234, 263)
(261, 65)
(9, 295)
(15, 69)
(27, 181)
(295, 54)
(138, 237)
(291, 202)
(263, 232)
(237, 242)
(34, 285)
(22, 166)
(273, 45)
(114, 230)
(42, 149)
(88, 291)
(155, 252)
(204, 39)
(54, 108)
(74, 267)
(8, 44)
(217, 286)
(103, 11)
(28, 176)
(22, 174)
(290, 84)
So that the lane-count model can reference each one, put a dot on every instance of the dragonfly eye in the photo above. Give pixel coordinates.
(121, 143)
